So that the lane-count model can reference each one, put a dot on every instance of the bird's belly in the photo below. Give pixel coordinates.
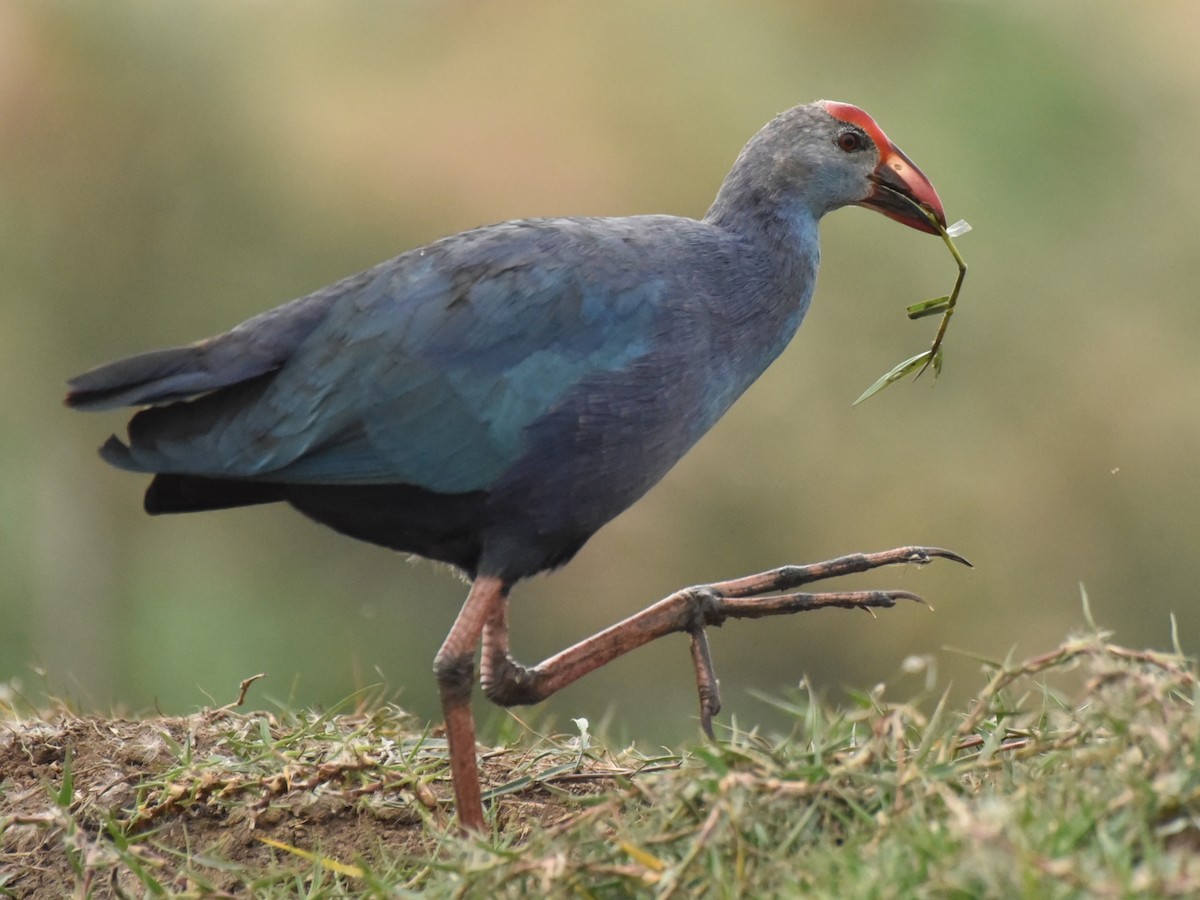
(586, 463)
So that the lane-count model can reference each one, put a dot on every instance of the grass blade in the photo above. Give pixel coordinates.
(909, 365)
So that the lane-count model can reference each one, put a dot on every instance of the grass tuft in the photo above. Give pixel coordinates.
(1070, 774)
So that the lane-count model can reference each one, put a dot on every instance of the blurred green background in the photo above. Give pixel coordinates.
(169, 169)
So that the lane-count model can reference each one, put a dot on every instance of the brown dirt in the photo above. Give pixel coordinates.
(189, 791)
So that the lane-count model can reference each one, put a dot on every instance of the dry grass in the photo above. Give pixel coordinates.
(1072, 774)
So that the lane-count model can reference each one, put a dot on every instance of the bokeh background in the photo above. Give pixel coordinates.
(167, 170)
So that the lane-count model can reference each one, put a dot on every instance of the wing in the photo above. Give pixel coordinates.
(429, 371)
(257, 346)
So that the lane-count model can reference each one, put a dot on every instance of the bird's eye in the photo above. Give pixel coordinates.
(850, 141)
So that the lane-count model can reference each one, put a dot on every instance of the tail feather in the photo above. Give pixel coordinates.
(159, 376)
(257, 346)
(195, 493)
(178, 436)
(117, 454)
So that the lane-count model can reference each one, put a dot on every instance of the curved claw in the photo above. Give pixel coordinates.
(927, 554)
(906, 595)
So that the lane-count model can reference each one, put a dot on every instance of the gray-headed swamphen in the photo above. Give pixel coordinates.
(492, 399)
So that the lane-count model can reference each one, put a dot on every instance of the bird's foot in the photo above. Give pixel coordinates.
(771, 594)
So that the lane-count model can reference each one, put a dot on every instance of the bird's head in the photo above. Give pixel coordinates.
(821, 157)
(893, 178)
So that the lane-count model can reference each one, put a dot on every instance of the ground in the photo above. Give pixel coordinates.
(224, 784)
(1075, 773)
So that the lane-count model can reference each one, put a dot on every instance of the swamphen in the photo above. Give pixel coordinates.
(492, 399)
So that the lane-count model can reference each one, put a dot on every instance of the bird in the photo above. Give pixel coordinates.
(492, 399)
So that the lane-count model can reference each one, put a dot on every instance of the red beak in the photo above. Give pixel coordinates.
(896, 185)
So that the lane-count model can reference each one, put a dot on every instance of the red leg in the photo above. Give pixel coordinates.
(509, 683)
(454, 667)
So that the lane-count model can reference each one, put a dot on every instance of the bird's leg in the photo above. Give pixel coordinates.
(496, 667)
(509, 683)
(454, 667)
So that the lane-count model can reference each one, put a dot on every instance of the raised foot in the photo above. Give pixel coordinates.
(771, 594)
(788, 577)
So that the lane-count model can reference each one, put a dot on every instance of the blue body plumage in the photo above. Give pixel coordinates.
(552, 369)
